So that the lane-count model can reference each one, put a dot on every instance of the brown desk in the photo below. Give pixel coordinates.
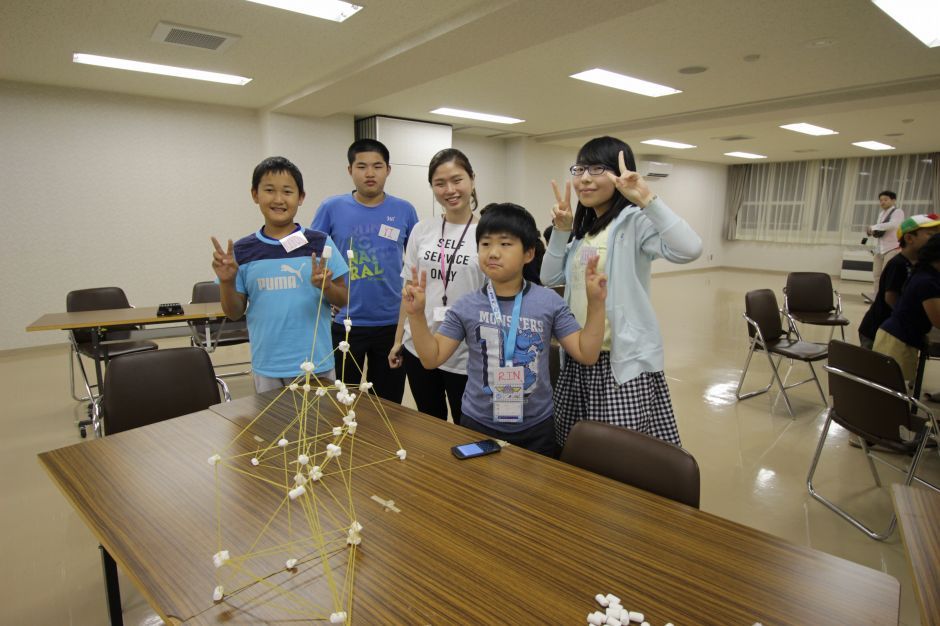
(508, 538)
(918, 512)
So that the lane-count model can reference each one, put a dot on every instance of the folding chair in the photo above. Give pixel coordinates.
(211, 335)
(869, 399)
(80, 344)
(149, 387)
(809, 298)
(634, 458)
(766, 332)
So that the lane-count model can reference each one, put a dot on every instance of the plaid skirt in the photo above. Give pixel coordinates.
(589, 392)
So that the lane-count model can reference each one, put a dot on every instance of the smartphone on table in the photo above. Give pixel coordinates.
(475, 449)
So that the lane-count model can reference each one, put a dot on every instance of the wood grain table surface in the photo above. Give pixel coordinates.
(117, 317)
(510, 538)
(918, 512)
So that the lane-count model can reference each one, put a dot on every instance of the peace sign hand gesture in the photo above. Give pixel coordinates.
(631, 185)
(223, 261)
(413, 296)
(320, 274)
(595, 282)
(562, 217)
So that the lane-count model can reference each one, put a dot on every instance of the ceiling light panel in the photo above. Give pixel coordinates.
(665, 143)
(473, 115)
(153, 68)
(809, 129)
(872, 145)
(334, 10)
(745, 155)
(920, 18)
(624, 83)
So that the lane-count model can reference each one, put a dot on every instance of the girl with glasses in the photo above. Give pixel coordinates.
(445, 248)
(619, 219)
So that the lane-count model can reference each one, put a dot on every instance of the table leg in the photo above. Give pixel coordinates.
(112, 588)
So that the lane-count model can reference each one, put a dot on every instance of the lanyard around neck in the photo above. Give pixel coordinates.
(446, 273)
(509, 341)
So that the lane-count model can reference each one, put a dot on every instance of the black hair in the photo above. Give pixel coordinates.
(366, 145)
(602, 151)
(929, 254)
(888, 193)
(511, 219)
(446, 156)
(276, 165)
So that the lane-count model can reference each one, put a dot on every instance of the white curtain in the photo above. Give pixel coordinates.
(831, 201)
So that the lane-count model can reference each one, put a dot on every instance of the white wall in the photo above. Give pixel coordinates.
(100, 189)
(783, 257)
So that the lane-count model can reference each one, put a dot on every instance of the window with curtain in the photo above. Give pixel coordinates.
(827, 201)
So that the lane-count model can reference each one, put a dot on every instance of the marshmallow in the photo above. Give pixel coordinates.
(315, 473)
(296, 492)
(337, 431)
(333, 450)
(306, 366)
(636, 616)
(282, 442)
(602, 600)
(215, 459)
(290, 563)
(350, 254)
(349, 399)
(351, 415)
(365, 386)
(219, 558)
(339, 617)
(340, 385)
(613, 621)
(645, 624)
(307, 387)
(303, 459)
(596, 618)
(217, 593)
(355, 526)
(612, 599)
(299, 479)
(327, 252)
(292, 386)
(351, 427)
(402, 454)
(321, 391)
(255, 461)
(343, 346)
(348, 324)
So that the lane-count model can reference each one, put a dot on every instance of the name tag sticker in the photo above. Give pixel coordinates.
(389, 232)
(293, 241)
(508, 395)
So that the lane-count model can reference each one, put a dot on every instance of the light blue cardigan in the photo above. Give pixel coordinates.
(636, 237)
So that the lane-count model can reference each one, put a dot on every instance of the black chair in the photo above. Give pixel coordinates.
(212, 335)
(809, 298)
(869, 399)
(80, 341)
(149, 387)
(767, 334)
(634, 458)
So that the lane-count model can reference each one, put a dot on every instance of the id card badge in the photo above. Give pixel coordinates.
(440, 312)
(508, 395)
(293, 241)
(587, 253)
(389, 232)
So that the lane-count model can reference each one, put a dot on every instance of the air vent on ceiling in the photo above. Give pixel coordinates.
(734, 138)
(193, 37)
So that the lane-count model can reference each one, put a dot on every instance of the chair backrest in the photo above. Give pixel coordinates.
(761, 306)
(148, 387)
(206, 291)
(96, 299)
(809, 292)
(875, 415)
(634, 458)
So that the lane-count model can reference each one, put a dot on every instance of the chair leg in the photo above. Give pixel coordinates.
(818, 385)
(747, 364)
(783, 387)
(73, 354)
(871, 463)
(832, 506)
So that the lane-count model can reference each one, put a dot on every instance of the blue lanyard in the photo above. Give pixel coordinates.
(509, 343)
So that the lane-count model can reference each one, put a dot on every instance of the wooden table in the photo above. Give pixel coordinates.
(510, 538)
(918, 512)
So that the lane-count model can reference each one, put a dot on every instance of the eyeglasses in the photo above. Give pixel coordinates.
(593, 170)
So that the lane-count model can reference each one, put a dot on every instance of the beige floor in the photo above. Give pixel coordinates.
(753, 456)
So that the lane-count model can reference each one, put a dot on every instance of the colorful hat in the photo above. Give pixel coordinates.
(917, 221)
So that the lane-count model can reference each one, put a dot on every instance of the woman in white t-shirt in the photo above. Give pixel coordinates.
(445, 249)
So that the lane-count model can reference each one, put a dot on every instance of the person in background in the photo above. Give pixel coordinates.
(443, 249)
(886, 247)
(376, 227)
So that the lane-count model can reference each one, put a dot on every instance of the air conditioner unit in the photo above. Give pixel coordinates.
(654, 169)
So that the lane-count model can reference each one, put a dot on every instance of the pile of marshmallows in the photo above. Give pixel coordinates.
(615, 614)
